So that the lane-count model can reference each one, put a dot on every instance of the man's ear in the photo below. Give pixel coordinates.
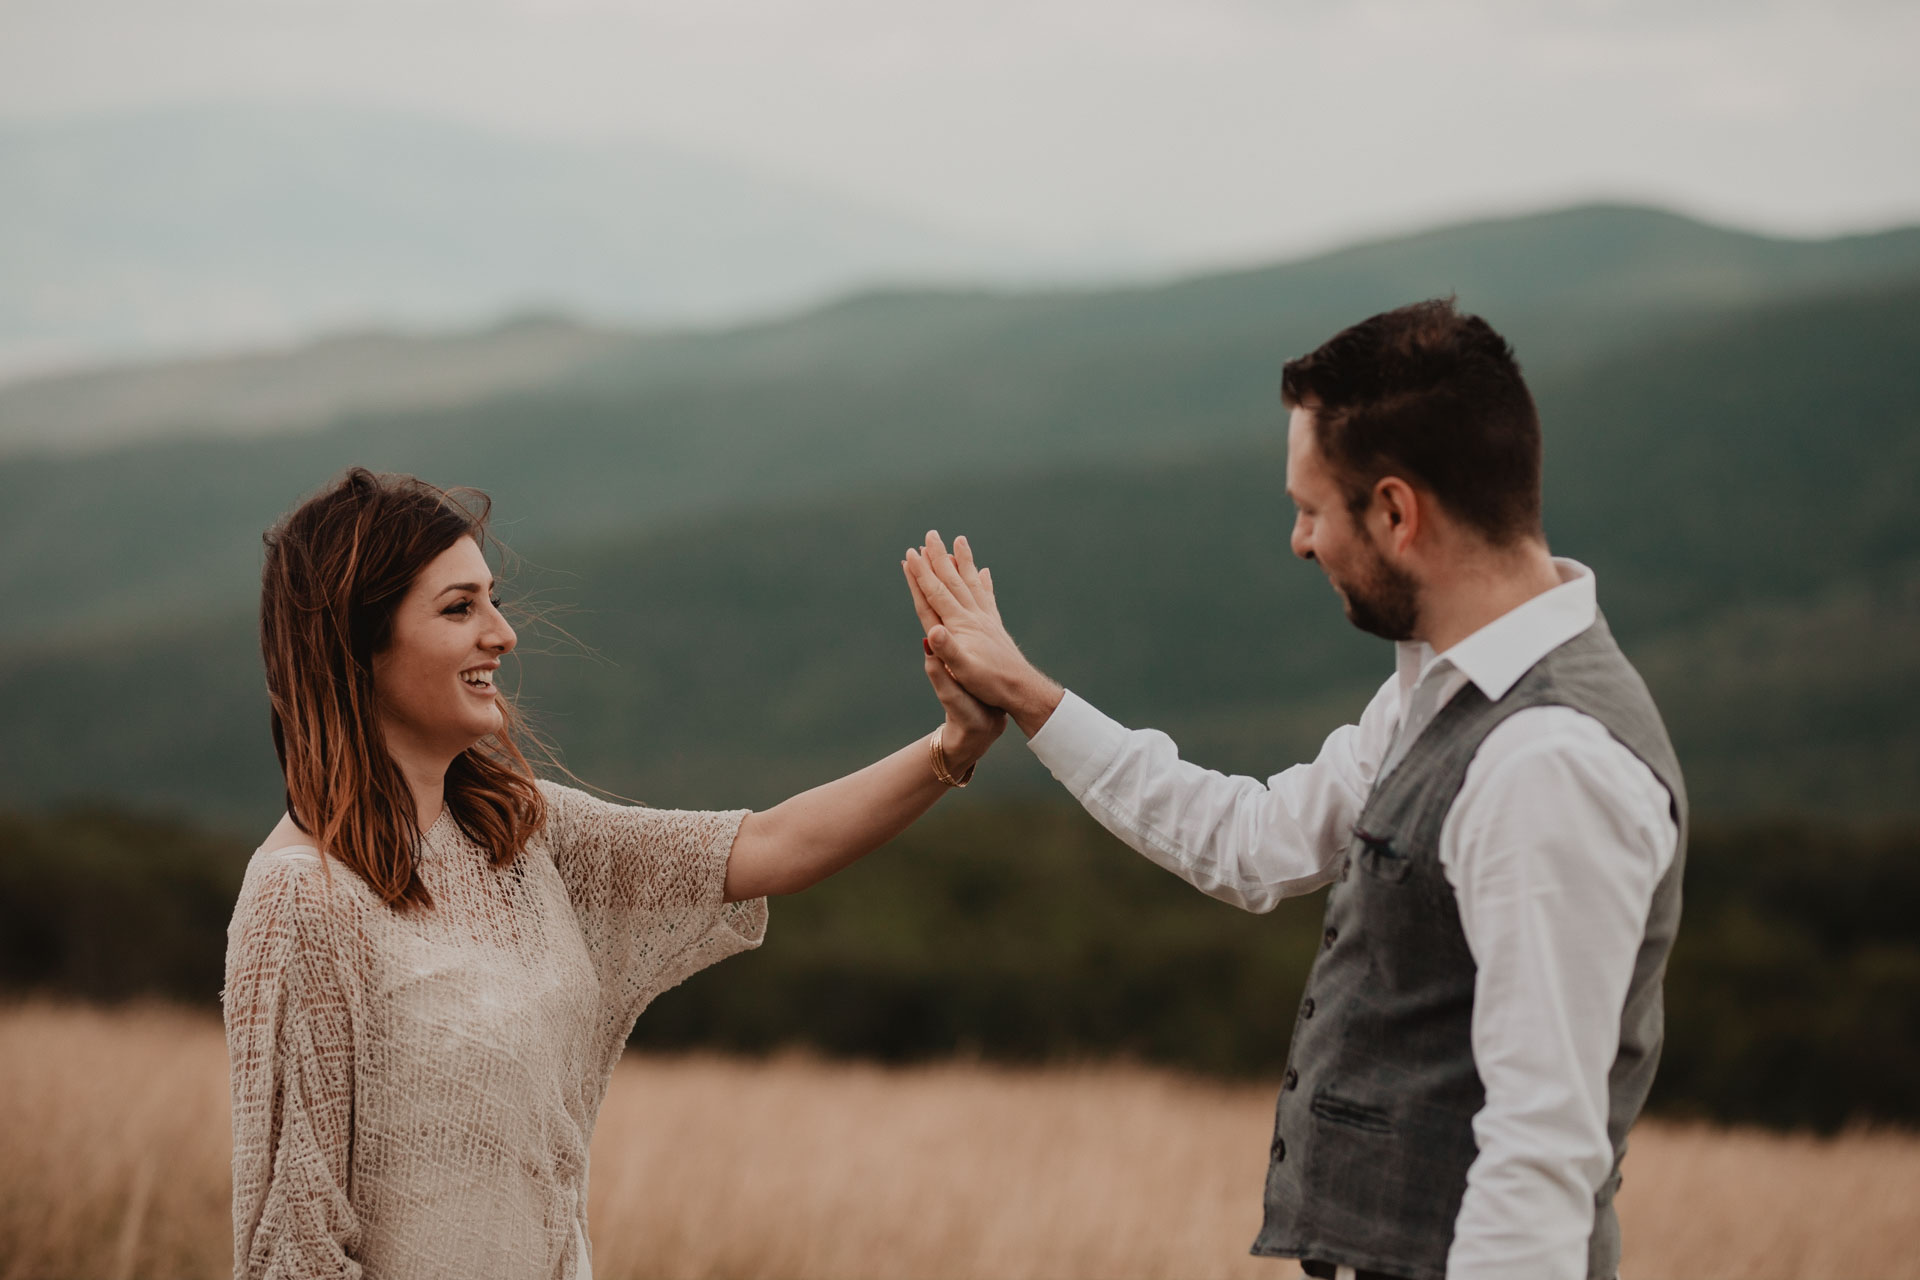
(1396, 512)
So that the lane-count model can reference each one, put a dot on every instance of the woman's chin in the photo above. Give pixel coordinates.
(472, 730)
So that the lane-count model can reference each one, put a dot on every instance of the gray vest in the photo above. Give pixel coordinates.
(1374, 1128)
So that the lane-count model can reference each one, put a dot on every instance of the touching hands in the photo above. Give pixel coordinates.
(966, 638)
(972, 725)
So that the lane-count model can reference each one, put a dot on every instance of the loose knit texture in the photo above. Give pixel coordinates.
(414, 1094)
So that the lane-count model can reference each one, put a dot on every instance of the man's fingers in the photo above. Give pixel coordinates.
(932, 588)
(985, 593)
(928, 618)
(945, 569)
(963, 561)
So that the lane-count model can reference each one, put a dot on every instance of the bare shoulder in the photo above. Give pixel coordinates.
(286, 835)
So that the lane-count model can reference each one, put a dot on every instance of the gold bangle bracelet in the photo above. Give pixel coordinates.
(940, 769)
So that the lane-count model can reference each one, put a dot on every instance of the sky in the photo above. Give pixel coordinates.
(1184, 131)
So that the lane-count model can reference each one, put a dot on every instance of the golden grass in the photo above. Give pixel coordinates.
(113, 1163)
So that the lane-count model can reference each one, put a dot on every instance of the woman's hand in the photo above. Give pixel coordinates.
(961, 618)
(971, 725)
(802, 840)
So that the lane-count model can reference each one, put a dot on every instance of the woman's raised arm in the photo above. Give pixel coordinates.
(801, 841)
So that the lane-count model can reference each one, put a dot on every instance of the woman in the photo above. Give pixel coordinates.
(422, 1020)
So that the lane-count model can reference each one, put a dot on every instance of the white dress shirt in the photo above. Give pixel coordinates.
(1553, 848)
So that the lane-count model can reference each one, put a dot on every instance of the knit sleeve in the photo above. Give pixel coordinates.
(290, 1057)
(648, 885)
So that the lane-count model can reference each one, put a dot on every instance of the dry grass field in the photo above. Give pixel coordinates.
(113, 1163)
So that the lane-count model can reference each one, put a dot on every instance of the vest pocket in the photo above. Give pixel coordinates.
(1379, 859)
(1335, 1109)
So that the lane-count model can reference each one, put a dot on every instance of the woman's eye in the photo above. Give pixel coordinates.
(496, 602)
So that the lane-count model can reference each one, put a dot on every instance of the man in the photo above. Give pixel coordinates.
(1503, 830)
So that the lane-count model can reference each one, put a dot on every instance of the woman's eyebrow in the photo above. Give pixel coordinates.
(465, 586)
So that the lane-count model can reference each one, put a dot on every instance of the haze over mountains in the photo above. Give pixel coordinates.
(1732, 435)
(206, 228)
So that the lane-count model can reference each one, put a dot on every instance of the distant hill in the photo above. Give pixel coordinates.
(1744, 493)
(199, 228)
(301, 388)
(854, 397)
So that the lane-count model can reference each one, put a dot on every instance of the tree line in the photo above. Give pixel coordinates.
(1019, 931)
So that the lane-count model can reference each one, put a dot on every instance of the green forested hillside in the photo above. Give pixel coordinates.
(853, 398)
(1740, 491)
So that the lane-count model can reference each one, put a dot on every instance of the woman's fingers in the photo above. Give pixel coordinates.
(961, 706)
(952, 694)
(942, 679)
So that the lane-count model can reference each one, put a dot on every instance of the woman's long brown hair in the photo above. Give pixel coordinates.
(336, 570)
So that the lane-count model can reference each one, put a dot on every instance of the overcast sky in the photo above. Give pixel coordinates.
(1192, 130)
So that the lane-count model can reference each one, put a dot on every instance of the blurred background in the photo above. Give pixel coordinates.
(726, 304)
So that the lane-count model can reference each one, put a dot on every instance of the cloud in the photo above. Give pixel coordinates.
(1194, 129)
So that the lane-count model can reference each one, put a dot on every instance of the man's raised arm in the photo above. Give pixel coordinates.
(1235, 838)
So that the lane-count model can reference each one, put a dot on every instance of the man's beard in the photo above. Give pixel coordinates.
(1381, 599)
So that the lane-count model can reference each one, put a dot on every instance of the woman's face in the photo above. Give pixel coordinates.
(434, 681)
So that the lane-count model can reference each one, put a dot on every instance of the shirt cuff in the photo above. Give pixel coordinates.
(1077, 743)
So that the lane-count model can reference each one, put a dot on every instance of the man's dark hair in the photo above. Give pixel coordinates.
(1434, 396)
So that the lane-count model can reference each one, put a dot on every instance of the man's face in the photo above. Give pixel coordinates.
(1380, 598)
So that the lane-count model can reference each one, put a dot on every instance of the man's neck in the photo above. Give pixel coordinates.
(1481, 590)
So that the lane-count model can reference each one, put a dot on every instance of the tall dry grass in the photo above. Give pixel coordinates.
(113, 1162)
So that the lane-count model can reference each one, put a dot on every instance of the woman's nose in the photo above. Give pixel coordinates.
(500, 637)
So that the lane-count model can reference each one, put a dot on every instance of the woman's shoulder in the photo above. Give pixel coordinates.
(287, 880)
(570, 810)
(287, 855)
(295, 917)
(287, 840)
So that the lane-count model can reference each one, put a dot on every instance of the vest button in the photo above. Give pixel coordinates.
(1306, 1008)
(1291, 1080)
(1330, 937)
(1279, 1150)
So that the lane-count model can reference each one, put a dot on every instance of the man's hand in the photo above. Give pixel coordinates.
(962, 621)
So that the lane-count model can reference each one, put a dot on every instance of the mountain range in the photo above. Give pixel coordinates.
(714, 519)
(203, 228)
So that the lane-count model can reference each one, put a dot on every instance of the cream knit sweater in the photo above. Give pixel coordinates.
(414, 1094)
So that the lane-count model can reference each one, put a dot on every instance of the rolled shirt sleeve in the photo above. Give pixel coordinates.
(1554, 847)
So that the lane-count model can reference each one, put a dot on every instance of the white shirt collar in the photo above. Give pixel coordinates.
(1498, 654)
